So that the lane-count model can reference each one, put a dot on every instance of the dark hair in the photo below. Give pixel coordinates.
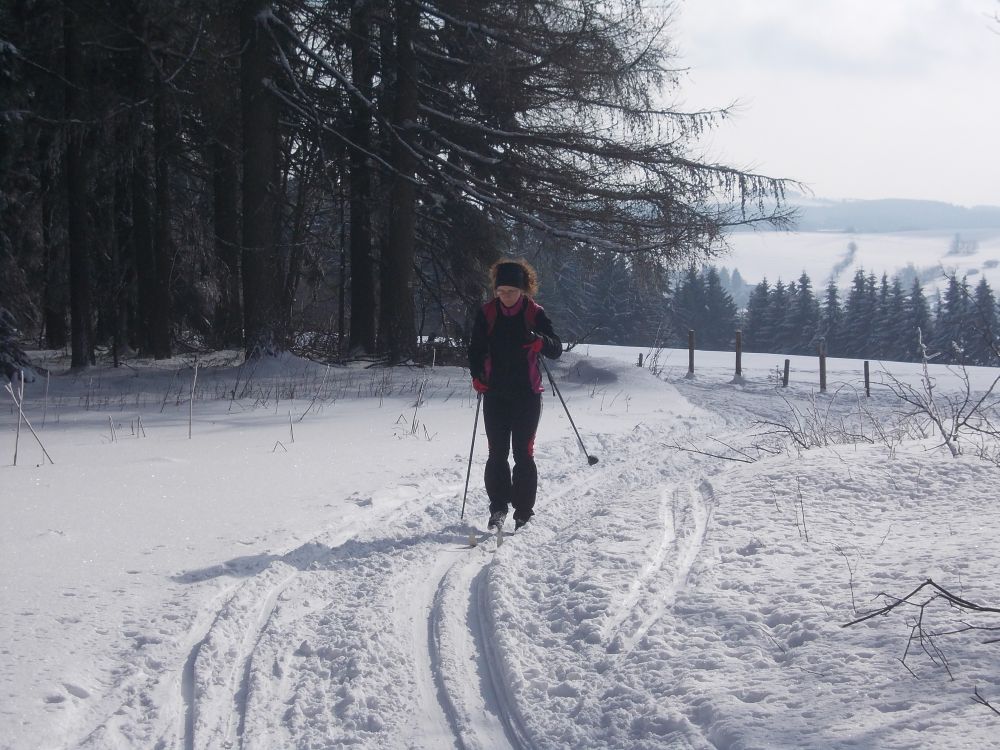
(529, 283)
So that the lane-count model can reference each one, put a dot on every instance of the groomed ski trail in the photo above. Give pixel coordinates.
(398, 635)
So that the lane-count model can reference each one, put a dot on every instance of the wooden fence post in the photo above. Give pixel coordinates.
(739, 354)
(784, 376)
(690, 353)
(822, 364)
(640, 360)
(868, 381)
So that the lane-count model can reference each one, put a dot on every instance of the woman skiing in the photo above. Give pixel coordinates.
(510, 333)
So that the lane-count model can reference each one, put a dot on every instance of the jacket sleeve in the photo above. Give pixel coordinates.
(479, 348)
(551, 345)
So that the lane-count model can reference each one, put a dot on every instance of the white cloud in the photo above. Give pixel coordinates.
(896, 98)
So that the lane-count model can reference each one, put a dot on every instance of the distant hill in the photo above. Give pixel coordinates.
(891, 215)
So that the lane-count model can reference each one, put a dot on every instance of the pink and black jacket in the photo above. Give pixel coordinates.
(498, 353)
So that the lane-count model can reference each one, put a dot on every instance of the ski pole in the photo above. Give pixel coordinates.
(590, 459)
(468, 472)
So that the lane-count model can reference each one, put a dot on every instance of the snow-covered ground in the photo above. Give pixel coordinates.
(295, 574)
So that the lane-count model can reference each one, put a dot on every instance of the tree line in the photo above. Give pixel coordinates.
(878, 318)
(241, 173)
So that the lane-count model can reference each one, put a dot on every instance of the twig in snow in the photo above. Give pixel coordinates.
(978, 698)
(918, 634)
(850, 570)
(711, 455)
(21, 415)
(802, 507)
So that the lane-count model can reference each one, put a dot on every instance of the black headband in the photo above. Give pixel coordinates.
(510, 274)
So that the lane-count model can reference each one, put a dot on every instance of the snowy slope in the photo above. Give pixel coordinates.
(296, 573)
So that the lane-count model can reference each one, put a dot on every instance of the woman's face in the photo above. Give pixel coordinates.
(509, 295)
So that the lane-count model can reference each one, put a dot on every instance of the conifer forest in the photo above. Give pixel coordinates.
(334, 178)
(271, 175)
(879, 318)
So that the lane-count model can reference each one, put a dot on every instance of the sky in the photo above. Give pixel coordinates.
(854, 98)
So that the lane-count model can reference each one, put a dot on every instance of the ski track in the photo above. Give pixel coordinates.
(229, 676)
(448, 612)
(686, 524)
(280, 663)
(417, 610)
(224, 659)
(459, 649)
(513, 723)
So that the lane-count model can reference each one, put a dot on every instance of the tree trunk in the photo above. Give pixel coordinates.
(260, 183)
(122, 268)
(81, 336)
(297, 240)
(363, 309)
(224, 152)
(398, 327)
(142, 245)
(54, 293)
(142, 219)
(163, 244)
(225, 205)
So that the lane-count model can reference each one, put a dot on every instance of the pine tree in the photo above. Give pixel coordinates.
(804, 317)
(782, 305)
(757, 336)
(953, 321)
(881, 339)
(918, 317)
(859, 311)
(985, 325)
(777, 308)
(720, 313)
(688, 308)
(893, 329)
(831, 324)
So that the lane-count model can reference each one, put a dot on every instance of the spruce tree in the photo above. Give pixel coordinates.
(858, 313)
(880, 338)
(831, 324)
(804, 317)
(688, 308)
(953, 321)
(918, 317)
(985, 326)
(757, 336)
(720, 313)
(893, 329)
(777, 307)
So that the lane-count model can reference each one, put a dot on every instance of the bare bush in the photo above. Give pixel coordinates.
(956, 415)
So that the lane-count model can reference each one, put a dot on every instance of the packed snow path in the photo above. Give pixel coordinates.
(310, 651)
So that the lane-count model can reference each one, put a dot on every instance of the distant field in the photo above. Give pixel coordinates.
(826, 255)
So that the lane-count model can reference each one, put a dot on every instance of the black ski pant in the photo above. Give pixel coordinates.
(511, 421)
